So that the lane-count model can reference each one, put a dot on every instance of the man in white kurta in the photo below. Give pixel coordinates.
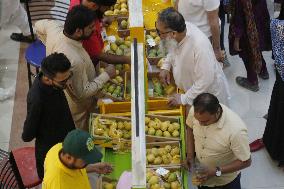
(193, 63)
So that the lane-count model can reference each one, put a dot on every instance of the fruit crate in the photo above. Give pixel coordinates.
(153, 56)
(181, 177)
(159, 107)
(100, 129)
(163, 119)
(163, 154)
(123, 27)
(153, 86)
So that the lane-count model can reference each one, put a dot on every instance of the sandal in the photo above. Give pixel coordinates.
(243, 82)
(264, 75)
(21, 38)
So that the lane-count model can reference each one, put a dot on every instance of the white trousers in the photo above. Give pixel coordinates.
(13, 13)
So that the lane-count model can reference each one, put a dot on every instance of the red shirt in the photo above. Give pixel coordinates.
(94, 45)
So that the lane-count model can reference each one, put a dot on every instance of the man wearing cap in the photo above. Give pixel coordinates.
(95, 44)
(67, 164)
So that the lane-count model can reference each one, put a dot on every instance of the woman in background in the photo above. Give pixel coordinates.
(249, 35)
(273, 137)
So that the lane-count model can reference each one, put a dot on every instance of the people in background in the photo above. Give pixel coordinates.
(219, 138)
(67, 164)
(48, 117)
(191, 58)
(273, 139)
(249, 35)
(12, 12)
(204, 14)
(95, 44)
(84, 85)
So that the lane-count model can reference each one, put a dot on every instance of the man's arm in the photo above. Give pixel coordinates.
(213, 19)
(80, 84)
(100, 168)
(32, 121)
(114, 59)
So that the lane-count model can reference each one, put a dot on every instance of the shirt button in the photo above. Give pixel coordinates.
(203, 147)
(205, 137)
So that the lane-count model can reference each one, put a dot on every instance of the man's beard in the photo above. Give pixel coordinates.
(85, 37)
(168, 45)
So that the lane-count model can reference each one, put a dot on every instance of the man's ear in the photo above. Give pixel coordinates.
(78, 32)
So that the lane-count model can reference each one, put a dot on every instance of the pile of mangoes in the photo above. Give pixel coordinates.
(168, 181)
(120, 7)
(160, 90)
(120, 47)
(112, 128)
(153, 35)
(160, 128)
(114, 90)
(163, 155)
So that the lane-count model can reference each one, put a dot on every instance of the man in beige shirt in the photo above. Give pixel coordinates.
(84, 85)
(219, 139)
(191, 59)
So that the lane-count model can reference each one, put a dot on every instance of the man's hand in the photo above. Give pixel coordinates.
(165, 77)
(103, 168)
(174, 100)
(219, 55)
(106, 21)
(110, 70)
(237, 44)
(207, 174)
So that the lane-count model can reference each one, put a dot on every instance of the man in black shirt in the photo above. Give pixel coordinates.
(48, 115)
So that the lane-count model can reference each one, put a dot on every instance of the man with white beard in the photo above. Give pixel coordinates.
(191, 58)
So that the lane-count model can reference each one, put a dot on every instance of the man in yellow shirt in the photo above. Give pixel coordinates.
(219, 138)
(67, 164)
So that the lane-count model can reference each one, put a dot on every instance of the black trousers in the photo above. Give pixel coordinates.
(235, 184)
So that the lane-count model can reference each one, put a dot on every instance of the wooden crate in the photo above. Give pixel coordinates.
(122, 32)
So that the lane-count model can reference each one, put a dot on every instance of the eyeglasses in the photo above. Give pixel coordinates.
(63, 82)
(161, 33)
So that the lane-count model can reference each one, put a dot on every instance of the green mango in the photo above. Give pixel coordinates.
(119, 41)
(119, 52)
(152, 55)
(123, 47)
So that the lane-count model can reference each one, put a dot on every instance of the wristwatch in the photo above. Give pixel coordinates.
(218, 172)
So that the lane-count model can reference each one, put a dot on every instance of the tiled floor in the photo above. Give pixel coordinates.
(263, 172)
(9, 58)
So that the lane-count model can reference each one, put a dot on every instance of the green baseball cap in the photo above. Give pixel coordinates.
(80, 144)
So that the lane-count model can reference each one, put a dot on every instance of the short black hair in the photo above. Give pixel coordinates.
(78, 17)
(172, 19)
(206, 102)
(55, 63)
(104, 2)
